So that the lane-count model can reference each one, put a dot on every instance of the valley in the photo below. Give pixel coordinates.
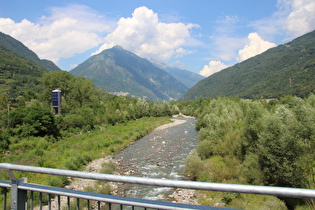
(240, 137)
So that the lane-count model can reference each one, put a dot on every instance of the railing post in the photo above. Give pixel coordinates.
(18, 197)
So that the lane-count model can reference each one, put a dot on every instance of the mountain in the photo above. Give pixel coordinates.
(9, 44)
(119, 71)
(20, 68)
(188, 78)
(287, 69)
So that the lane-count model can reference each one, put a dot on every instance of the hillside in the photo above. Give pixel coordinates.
(188, 78)
(119, 71)
(288, 69)
(8, 43)
(20, 67)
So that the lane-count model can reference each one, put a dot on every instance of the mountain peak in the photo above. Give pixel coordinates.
(118, 47)
(117, 70)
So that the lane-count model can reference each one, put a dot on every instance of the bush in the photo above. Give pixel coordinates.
(194, 165)
(221, 169)
(108, 167)
(251, 171)
(57, 181)
(4, 142)
(33, 121)
(99, 187)
(76, 162)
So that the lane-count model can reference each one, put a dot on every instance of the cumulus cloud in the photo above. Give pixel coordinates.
(65, 32)
(226, 48)
(212, 67)
(255, 46)
(301, 18)
(292, 19)
(146, 36)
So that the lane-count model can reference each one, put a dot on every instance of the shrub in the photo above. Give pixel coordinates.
(99, 187)
(221, 169)
(108, 167)
(57, 181)
(251, 171)
(194, 165)
(4, 142)
(76, 162)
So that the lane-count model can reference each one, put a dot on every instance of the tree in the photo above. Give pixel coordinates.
(33, 121)
(280, 154)
(56, 79)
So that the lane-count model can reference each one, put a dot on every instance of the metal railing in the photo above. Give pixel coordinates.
(19, 189)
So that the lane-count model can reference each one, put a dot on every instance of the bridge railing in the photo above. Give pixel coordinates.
(21, 199)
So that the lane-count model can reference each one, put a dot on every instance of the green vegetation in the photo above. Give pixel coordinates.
(18, 74)
(284, 70)
(20, 68)
(118, 70)
(14, 47)
(255, 142)
(94, 124)
(240, 140)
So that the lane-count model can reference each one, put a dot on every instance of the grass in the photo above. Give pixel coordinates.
(77, 151)
(241, 201)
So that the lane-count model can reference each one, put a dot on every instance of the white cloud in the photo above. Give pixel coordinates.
(301, 18)
(226, 48)
(212, 67)
(179, 52)
(146, 36)
(255, 46)
(292, 19)
(64, 33)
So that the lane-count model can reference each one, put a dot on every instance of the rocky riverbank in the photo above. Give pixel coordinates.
(160, 154)
(154, 151)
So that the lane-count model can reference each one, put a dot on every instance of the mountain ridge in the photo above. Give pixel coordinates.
(188, 78)
(287, 69)
(8, 43)
(118, 70)
(20, 68)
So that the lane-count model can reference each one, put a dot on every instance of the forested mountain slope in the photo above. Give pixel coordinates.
(20, 67)
(188, 78)
(9, 44)
(119, 71)
(288, 69)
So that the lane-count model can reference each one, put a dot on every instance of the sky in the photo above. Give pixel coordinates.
(201, 36)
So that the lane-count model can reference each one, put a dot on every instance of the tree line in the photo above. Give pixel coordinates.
(84, 107)
(255, 142)
(240, 141)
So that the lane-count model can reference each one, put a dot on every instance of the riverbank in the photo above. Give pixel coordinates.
(154, 141)
(160, 154)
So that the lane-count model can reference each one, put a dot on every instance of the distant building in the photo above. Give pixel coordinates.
(56, 101)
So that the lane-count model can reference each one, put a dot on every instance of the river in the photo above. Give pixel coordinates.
(160, 154)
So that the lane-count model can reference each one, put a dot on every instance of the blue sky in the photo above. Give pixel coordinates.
(201, 36)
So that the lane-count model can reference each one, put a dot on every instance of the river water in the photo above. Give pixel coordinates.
(160, 154)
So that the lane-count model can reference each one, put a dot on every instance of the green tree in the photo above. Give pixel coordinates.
(280, 154)
(33, 121)
(57, 79)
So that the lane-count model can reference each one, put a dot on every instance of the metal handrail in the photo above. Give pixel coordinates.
(235, 188)
(105, 198)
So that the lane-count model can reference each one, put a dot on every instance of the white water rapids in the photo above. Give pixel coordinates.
(160, 154)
